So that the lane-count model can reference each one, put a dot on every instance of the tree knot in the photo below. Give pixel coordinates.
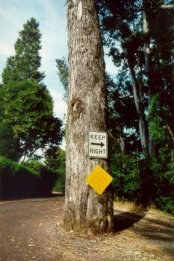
(76, 108)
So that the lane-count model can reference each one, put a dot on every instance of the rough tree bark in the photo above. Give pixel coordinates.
(85, 211)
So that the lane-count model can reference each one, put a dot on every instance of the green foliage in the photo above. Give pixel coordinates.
(8, 146)
(28, 109)
(55, 161)
(145, 181)
(166, 204)
(162, 169)
(157, 129)
(169, 174)
(125, 171)
(34, 165)
(157, 126)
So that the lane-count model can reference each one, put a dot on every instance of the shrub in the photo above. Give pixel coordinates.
(17, 180)
(125, 171)
(24, 180)
(47, 177)
(166, 204)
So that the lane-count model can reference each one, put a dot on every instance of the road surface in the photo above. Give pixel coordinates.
(31, 229)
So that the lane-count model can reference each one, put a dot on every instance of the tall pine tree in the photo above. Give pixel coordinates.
(27, 106)
(27, 61)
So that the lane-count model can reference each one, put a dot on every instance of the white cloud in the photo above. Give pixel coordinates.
(60, 106)
(110, 67)
(6, 49)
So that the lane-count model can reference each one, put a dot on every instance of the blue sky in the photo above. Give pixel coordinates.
(51, 15)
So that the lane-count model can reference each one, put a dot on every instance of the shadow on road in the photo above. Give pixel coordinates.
(124, 220)
(156, 231)
(34, 197)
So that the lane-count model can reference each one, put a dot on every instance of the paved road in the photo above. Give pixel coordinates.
(27, 228)
(30, 230)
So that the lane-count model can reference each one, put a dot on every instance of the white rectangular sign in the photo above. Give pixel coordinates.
(98, 145)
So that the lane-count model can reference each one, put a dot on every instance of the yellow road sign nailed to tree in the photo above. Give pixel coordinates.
(99, 179)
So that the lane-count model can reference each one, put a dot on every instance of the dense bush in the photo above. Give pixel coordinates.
(163, 170)
(21, 181)
(144, 180)
(166, 204)
(125, 171)
(46, 176)
(17, 180)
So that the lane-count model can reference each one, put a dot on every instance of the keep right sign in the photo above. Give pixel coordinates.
(98, 145)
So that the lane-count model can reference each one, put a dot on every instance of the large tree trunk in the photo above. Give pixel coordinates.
(85, 211)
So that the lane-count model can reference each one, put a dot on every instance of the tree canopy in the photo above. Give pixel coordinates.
(142, 48)
(139, 37)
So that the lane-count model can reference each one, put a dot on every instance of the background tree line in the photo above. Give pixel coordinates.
(139, 39)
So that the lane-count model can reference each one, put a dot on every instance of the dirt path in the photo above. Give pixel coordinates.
(30, 230)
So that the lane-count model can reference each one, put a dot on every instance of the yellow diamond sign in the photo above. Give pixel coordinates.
(99, 179)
